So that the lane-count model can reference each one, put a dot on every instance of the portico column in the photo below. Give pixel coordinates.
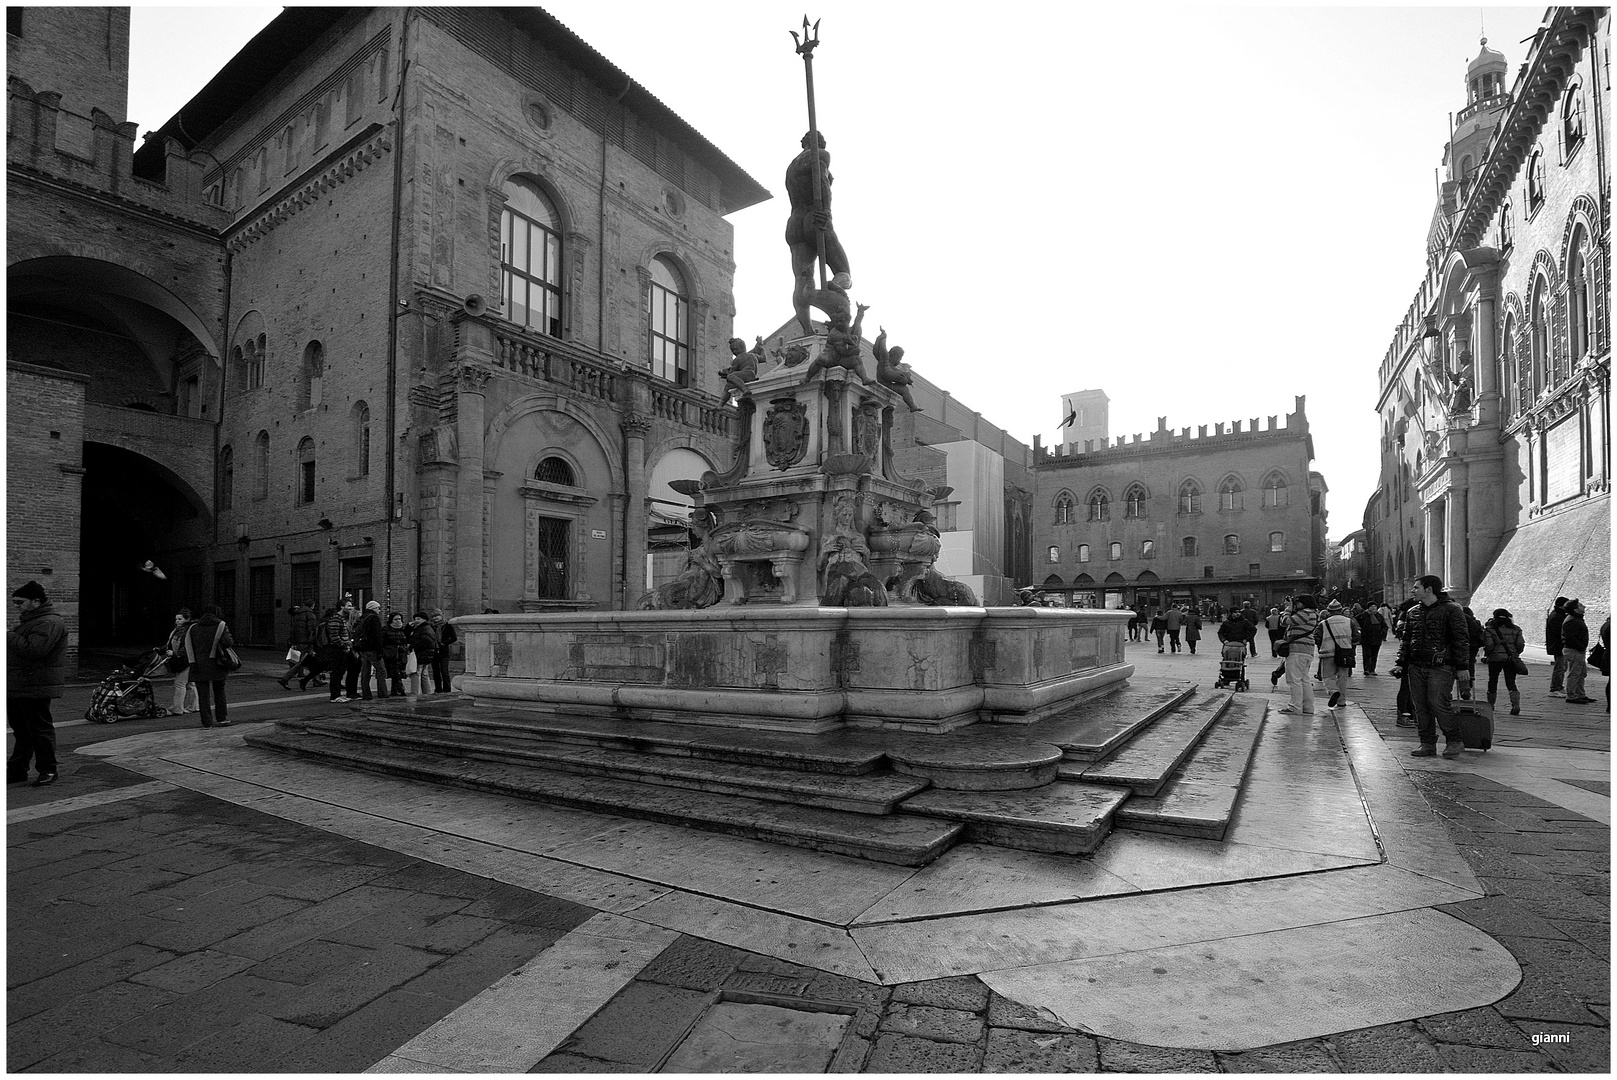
(1457, 574)
(1598, 430)
(1432, 562)
(471, 387)
(635, 422)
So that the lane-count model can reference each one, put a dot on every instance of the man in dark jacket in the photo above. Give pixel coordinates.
(303, 624)
(370, 642)
(1372, 632)
(36, 671)
(1552, 645)
(1436, 652)
(1254, 619)
(1574, 644)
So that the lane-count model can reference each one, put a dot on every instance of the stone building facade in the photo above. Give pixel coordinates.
(1495, 391)
(420, 304)
(1218, 517)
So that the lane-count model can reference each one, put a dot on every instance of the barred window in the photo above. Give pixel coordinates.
(553, 470)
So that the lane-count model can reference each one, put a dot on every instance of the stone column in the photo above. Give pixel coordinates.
(1489, 392)
(636, 422)
(1599, 431)
(1456, 545)
(1433, 560)
(470, 390)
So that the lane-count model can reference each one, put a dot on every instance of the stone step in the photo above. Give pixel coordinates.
(1066, 817)
(871, 793)
(843, 752)
(1146, 762)
(1091, 730)
(900, 839)
(1199, 799)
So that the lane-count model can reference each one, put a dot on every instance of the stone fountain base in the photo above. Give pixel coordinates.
(796, 668)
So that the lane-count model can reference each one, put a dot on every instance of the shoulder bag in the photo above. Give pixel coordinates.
(1344, 657)
(224, 656)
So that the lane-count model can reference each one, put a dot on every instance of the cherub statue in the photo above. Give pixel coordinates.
(743, 367)
(892, 372)
(841, 348)
(788, 356)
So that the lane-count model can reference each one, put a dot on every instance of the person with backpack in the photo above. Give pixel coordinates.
(1502, 645)
(440, 662)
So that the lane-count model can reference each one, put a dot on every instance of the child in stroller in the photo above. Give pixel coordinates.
(127, 693)
(1232, 638)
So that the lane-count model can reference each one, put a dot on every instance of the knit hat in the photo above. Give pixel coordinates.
(373, 605)
(32, 591)
(1500, 613)
(1334, 605)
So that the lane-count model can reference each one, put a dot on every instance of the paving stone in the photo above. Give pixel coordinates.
(1311, 1056)
(573, 1063)
(759, 962)
(32, 954)
(1013, 1051)
(62, 986)
(1480, 1060)
(324, 881)
(477, 967)
(194, 971)
(638, 1026)
(77, 1020)
(511, 904)
(928, 1022)
(1388, 1048)
(826, 986)
(903, 1054)
(214, 925)
(1003, 1012)
(182, 1020)
(444, 880)
(762, 982)
(1497, 915)
(206, 885)
(965, 992)
(1475, 1027)
(345, 989)
(851, 1055)
(693, 963)
(308, 921)
(405, 922)
(367, 1035)
(1118, 1055)
(243, 1047)
(307, 962)
(1586, 1049)
(1566, 964)
(43, 870)
(96, 1056)
(187, 859)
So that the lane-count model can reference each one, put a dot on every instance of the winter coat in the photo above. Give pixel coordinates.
(1193, 627)
(35, 655)
(1234, 628)
(1297, 628)
(1473, 630)
(199, 639)
(1574, 634)
(1159, 623)
(303, 623)
(1173, 618)
(1436, 636)
(369, 637)
(424, 640)
(394, 642)
(1552, 631)
(1503, 641)
(1336, 632)
(1372, 626)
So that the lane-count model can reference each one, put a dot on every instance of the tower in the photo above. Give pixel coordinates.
(1485, 102)
(1088, 410)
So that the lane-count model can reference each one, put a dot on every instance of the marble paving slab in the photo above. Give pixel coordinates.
(1152, 861)
(781, 936)
(977, 877)
(1281, 986)
(966, 944)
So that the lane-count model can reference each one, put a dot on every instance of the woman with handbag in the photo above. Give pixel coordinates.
(423, 650)
(1502, 645)
(181, 667)
(212, 652)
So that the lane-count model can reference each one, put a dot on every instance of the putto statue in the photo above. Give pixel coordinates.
(743, 367)
(809, 232)
(841, 347)
(892, 372)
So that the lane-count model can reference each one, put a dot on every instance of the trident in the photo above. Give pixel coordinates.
(805, 49)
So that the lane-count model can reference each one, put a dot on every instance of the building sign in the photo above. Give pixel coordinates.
(1563, 460)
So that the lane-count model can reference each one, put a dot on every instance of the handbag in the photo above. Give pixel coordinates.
(1343, 657)
(1283, 649)
(225, 657)
(411, 664)
(293, 654)
(1520, 665)
(1597, 656)
(175, 663)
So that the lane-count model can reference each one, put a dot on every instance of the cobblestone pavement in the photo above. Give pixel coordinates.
(166, 931)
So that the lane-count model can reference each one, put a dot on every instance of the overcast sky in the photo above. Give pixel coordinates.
(1201, 210)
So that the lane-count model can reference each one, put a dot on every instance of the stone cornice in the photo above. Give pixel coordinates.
(369, 147)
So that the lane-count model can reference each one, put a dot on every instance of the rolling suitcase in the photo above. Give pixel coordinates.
(1476, 723)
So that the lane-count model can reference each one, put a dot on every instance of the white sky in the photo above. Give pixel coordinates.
(1201, 210)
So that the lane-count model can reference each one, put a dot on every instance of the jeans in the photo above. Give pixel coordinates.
(1173, 640)
(1300, 678)
(1558, 670)
(368, 662)
(1576, 671)
(184, 689)
(1495, 667)
(1430, 692)
(440, 672)
(211, 697)
(30, 720)
(1328, 671)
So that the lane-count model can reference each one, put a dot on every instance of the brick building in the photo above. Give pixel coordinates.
(1216, 517)
(425, 304)
(1495, 391)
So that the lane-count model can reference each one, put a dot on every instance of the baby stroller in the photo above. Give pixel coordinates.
(1232, 666)
(127, 693)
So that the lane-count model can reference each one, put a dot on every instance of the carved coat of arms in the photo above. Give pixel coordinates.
(786, 428)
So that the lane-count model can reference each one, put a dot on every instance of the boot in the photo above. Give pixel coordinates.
(1493, 696)
(1515, 702)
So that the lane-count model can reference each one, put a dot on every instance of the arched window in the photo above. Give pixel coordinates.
(1099, 506)
(261, 465)
(1083, 553)
(1581, 299)
(1538, 335)
(553, 470)
(1535, 180)
(1148, 549)
(306, 471)
(1509, 376)
(1277, 541)
(1465, 176)
(1190, 497)
(1189, 547)
(1232, 544)
(668, 308)
(530, 259)
(1572, 119)
(227, 479)
(1229, 494)
(1064, 509)
(1507, 227)
(1274, 490)
(1134, 501)
(255, 366)
(360, 418)
(1054, 554)
(1115, 551)
(314, 366)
